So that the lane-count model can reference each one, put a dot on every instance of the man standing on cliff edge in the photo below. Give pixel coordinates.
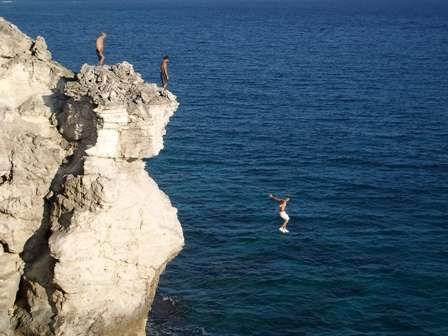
(100, 48)
(164, 76)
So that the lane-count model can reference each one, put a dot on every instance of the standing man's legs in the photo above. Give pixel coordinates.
(164, 85)
(101, 57)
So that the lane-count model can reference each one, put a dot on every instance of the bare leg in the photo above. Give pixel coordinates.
(101, 59)
(285, 223)
(165, 87)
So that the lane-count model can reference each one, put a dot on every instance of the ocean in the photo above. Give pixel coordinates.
(342, 106)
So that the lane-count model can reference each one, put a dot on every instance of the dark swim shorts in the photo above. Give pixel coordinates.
(163, 79)
(99, 55)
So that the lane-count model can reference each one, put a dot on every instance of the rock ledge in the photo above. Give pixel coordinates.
(84, 231)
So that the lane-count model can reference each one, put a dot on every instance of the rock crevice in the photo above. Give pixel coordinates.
(84, 230)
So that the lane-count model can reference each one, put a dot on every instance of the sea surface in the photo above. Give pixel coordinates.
(341, 106)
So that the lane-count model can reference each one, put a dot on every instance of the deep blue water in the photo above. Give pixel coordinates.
(342, 107)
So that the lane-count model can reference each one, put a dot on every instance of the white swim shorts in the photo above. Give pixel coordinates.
(284, 215)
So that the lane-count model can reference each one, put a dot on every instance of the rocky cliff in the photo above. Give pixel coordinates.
(84, 231)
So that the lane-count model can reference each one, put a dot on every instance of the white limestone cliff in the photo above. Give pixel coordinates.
(84, 230)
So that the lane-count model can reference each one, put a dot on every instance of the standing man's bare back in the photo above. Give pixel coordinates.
(100, 48)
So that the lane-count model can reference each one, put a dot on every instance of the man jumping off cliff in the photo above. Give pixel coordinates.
(100, 47)
(283, 215)
(164, 76)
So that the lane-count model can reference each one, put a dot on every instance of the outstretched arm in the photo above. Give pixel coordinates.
(275, 198)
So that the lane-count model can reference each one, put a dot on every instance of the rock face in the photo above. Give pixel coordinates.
(84, 231)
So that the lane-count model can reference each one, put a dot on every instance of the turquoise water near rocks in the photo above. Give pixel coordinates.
(342, 107)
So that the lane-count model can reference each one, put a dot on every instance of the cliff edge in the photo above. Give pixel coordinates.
(84, 231)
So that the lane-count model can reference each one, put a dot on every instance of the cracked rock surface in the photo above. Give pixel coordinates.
(84, 230)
